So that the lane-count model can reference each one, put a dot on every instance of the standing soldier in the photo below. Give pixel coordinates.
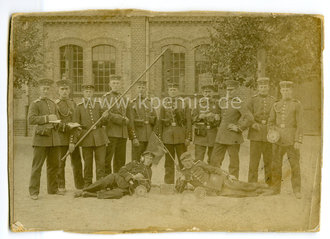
(86, 114)
(117, 123)
(65, 108)
(42, 112)
(142, 119)
(174, 129)
(286, 118)
(260, 106)
(206, 119)
(234, 119)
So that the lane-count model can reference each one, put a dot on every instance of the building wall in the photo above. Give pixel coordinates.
(138, 41)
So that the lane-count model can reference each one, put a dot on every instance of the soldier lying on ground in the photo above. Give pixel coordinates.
(129, 177)
(215, 180)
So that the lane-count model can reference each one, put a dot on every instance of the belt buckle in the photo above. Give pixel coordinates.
(263, 121)
(208, 127)
(146, 122)
(173, 124)
(282, 126)
(94, 127)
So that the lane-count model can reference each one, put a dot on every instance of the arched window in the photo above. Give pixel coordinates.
(71, 65)
(104, 65)
(202, 65)
(174, 66)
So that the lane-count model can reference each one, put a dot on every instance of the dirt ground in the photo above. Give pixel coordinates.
(159, 212)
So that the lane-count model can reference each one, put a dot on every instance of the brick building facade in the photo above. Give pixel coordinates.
(87, 48)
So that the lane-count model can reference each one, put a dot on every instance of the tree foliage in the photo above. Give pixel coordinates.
(292, 45)
(27, 53)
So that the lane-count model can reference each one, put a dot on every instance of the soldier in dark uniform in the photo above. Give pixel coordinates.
(174, 129)
(116, 185)
(260, 106)
(286, 118)
(142, 120)
(46, 141)
(215, 180)
(234, 119)
(65, 108)
(116, 128)
(86, 114)
(206, 119)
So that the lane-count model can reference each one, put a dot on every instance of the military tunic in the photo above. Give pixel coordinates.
(65, 109)
(86, 114)
(117, 131)
(260, 107)
(233, 111)
(174, 128)
(142, 120)
(286, 117)
(45, 145)
(205, 129)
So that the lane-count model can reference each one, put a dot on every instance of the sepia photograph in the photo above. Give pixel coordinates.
(127, 120)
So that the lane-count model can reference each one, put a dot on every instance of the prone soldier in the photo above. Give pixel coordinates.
(260, 106)
(206, 119)
(174, 129)
(142, 120)
(116, 127)
(214, 180)
(128, 178)
(65, 108)
(286, 119)
(86, 114)
(46, 141)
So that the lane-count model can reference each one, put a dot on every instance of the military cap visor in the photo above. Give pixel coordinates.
(263, 81)
(231, 84)
(63, 83)
(208, 87)
(286, 84)
(87, 87)
(115, 77)
(45, 82)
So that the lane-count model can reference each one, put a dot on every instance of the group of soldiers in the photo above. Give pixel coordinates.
(215, 126)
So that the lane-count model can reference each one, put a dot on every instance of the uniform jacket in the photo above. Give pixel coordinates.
(286, 117)
(86, 114)
(199, 174)
(174, 124)
(133, 168)
(116, 124)
(205, 130)
(260, 107)
(65, 109)
(232, 112)
(142, 119)
(45, 134)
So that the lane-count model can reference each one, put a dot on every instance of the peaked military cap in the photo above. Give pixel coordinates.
(263, 81)
(87, 87)
(45, 82)
(286, 84)
(231, 84)
(63, 82)
(115, 77)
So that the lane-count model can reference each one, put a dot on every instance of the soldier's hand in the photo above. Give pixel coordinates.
(136, 142)
(52, 117)
(233, 127)
(126, 120)
(297, 145)
(187, 142)
(138, 176)
(71, 147)
(105, 114)
(256, 126)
